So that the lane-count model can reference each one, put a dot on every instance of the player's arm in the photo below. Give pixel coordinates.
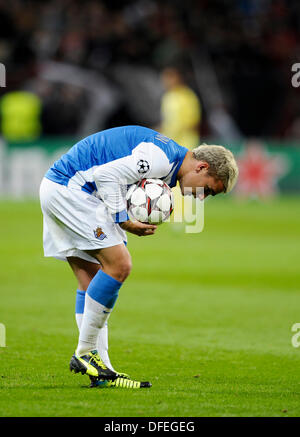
(113, 178)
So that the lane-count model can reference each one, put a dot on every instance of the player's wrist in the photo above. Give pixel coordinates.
(125, 225)
(133, 227)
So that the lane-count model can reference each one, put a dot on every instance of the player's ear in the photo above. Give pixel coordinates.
(201, 165)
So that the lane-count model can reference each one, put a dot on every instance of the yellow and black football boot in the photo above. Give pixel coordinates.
(119, 382)
(92, 365)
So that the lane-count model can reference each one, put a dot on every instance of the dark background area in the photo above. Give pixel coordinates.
(250, 44)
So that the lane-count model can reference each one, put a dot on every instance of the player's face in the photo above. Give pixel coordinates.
(198, 178)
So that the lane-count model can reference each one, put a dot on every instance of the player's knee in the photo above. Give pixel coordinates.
(123, 269)
(120, 269)
(116, 263)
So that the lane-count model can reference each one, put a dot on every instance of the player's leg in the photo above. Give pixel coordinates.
(100, 298)
(84, 272)
(76, 220)
(102, 292)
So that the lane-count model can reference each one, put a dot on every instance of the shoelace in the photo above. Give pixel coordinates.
(123, 375)
(96, 359)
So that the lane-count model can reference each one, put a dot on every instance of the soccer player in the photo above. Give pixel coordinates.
(85, 221)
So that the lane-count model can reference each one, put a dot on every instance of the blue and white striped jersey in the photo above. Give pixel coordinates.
(104, 162)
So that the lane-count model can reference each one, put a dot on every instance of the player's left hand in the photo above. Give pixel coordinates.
(138, 228)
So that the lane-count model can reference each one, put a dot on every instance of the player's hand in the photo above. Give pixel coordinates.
(138, 228)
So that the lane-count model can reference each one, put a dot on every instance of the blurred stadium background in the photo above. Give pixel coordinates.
(195, 70)
(198, 71)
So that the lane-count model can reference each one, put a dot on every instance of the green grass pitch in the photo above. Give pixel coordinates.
(205, 317)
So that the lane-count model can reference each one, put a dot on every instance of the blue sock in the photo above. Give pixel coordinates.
(79, 305)
(100, 298)
(104, 289)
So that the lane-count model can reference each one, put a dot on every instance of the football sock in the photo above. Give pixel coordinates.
(100, 298)
(79, 307)
(102, 340)
(102, 346)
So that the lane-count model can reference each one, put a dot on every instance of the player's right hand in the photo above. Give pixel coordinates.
(138, 228)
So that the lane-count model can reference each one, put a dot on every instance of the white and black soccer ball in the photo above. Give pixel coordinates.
(150, 201)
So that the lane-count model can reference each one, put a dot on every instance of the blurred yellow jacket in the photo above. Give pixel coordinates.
(20, 116)
(181, 116)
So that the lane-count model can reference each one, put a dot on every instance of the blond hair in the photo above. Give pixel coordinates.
(222, 164)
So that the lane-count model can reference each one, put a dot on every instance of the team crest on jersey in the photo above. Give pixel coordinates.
(143, 166)
(99, 234)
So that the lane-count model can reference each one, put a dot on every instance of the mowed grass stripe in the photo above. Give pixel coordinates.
(206, 318)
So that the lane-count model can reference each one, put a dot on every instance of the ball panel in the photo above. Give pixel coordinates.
(155, 181)
(155, 217)
(153, 191)
(164, 202)
(138, 197)
(140, 213)
(130, 191)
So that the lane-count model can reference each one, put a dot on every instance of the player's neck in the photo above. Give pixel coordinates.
(186, 166)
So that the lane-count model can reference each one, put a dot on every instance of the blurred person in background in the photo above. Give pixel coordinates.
(181, 117)
(20, 116)
(180, 109)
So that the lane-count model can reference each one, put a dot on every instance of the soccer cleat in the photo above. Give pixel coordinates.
(92, 365)
(96, 381)
(119, 382)
(123, 375)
